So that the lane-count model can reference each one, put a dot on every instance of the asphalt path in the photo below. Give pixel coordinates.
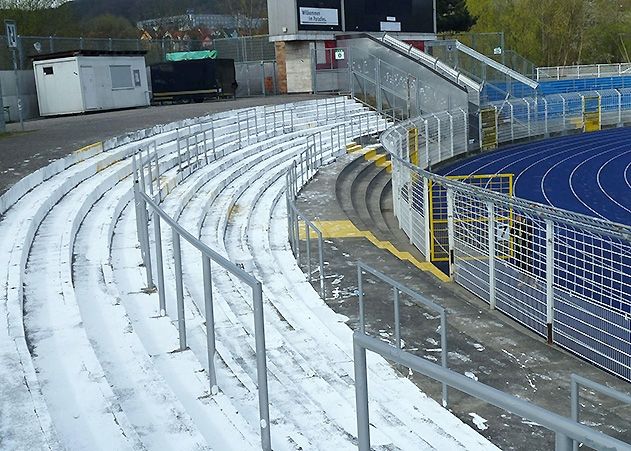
(49, 139)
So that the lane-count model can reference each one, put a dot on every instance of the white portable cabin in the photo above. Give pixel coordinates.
(87, 80)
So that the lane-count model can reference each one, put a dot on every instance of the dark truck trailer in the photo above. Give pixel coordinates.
(195, 80)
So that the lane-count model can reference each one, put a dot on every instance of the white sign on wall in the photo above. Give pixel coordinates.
(390, 26)
(339, 54)
(318, 16)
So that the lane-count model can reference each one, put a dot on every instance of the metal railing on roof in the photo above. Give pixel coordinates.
(432, 62)
(583, 71)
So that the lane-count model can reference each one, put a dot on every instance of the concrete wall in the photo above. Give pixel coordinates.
(298, 65)
(283, 19)
(9, 96)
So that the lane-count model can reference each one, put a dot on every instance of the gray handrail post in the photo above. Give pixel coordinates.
(321, 261)
(360, 294)
(179, 289)
(361, 397)
(397, 317)
(308, 234)
(159, 262)
(142, 221)
(210, 323)
(574, 406)
(576, 382)
(443, 353)
(565, 428)
(261, 365)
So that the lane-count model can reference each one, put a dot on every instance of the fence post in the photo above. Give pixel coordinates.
(545, 105)
(314, 68)
(397, 317)
(550, 279)
(429, 165)
(620, 124)
(378, 85)
(263, 79)
(427, 217)
(450, 231)
(451, 138)
(440, 143)
(491, 213)
(528, 109)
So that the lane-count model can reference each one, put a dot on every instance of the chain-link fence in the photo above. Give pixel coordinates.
(241, 49)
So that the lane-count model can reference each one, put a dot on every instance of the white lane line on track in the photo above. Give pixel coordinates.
(600, 184)
(626, 174)
(573, 173)
(540, 148)
(555, 165)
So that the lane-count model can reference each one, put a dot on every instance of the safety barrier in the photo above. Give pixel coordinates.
(566, 430)
(583, 71)
(196, 146)
(563, 275)
(558, 113)
(322, 148)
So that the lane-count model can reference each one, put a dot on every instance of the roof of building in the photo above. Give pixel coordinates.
(84, 52)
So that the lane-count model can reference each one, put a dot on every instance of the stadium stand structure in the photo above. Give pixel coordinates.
(90, 361)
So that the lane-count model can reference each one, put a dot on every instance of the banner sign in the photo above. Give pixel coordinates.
(318, 16)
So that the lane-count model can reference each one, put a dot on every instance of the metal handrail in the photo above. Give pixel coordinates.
(579, 381)
(566, 429)
(143, 201)
(589, 70)
(417, 298)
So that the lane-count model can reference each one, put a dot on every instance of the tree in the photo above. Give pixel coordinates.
(246, 13)
(109, 26)
(39, 17)
(560, 32)
(453, 15)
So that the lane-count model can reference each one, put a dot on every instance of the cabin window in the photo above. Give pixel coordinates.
(137, 78)
(121, 77)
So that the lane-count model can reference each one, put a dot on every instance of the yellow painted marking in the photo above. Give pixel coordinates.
(346, 229)
(377, 157)
(353, 147)
(90, 147)
(370, 154)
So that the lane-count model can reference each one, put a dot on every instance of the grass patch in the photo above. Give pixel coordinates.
(5, 135)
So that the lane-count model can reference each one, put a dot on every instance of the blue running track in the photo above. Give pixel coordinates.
(586, 173)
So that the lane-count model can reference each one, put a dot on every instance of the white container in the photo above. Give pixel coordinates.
(78, 83)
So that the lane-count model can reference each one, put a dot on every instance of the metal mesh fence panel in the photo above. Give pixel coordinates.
(241, 49)
(565, 276)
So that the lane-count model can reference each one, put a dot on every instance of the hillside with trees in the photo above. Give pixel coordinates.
(559, 32)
